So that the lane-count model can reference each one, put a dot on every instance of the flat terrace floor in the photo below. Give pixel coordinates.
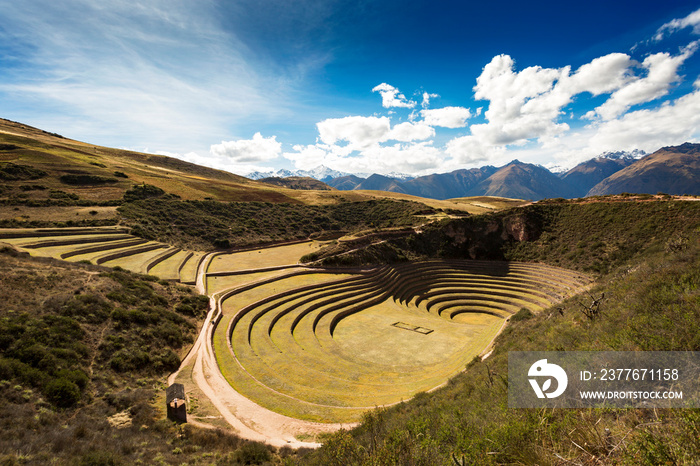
(376, 335)
(262, 258)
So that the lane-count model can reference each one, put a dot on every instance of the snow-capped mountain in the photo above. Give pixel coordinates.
(399, 176)
(623, 155)
(321, 173)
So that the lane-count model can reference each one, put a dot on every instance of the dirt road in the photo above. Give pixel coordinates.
(248, 419)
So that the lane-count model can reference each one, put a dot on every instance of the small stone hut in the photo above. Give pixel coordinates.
(175, 401)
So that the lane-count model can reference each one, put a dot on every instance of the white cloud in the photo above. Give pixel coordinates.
(391, 97)
(426, 99)
(157, 73)
(692, 20)
(256, 150)
(410, 132)
(662, 72)
(521, 105)
(412, 157)
(602, 75)
(358, 131)
(366, 147)
(649, 129)
(447, 117)
(470, 151)
(529, 104)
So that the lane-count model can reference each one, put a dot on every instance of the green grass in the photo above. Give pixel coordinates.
(370, 336)
(216, 284)
(188, 273)
(136, 262)
(168, 269)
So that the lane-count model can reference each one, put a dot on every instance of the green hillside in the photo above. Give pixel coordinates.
(83, 354)
(648, 256)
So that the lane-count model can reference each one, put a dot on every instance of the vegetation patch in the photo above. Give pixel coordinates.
(80, 344)
(221, 225)
(15, 172)
(594, 237)
(85, 179)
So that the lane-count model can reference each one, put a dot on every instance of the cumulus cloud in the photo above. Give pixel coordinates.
(662, 72)
(256, 150)
(391, 97)
(426, 99)
(412, 157)
(447, 117)
(602, 75)
(358, 131)
(359, 143)
(692, 20)
(673, 123)
(410, 132)
(529, 104)
(513, 113)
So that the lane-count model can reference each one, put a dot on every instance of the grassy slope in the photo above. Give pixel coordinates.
(80, 344)
(652, 303)
(57, 156)
(207, 224)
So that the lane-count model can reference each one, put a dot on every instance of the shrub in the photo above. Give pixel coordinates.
(144, 191)
(13, 172)
(58, 194)
(92, 308)
(82, 179)
(253, 453)
(100, 458)
(62, 393)
(522, 314)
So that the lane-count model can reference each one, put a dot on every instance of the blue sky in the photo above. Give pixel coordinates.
(360, 86)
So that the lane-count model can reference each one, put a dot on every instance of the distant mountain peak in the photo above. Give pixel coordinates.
(321, 173)
(623, 155)
(685, 148)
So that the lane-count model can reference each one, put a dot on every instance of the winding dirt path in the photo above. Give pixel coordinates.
(247, 418)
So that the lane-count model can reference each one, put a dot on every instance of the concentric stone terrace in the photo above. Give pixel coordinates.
(332, 348)
(326, 345)
(110, 246)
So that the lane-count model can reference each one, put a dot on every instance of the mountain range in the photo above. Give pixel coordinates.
(672, 170)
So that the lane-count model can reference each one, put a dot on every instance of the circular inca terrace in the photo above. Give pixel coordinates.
(330, 350)
(289, 351)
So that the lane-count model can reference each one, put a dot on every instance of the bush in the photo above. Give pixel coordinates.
(253, 453)
(62, 393)
(86, 179)
(100, 458)
(522, 314)
(13, 172)
(144, 191)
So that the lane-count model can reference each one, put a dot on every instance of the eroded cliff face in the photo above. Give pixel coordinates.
(519, 229)
(481, 237)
